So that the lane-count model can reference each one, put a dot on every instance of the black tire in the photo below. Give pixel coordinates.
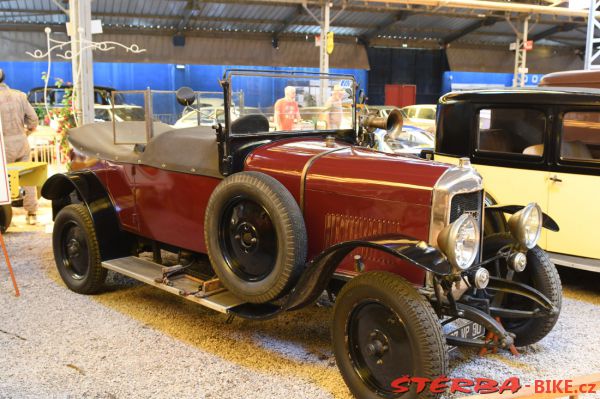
(541, 274)
(255, 236)
(5, 217)
(378, 308)
(76, 250)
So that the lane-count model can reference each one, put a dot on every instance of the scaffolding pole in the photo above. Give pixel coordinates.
(592, 48)
(323, 54)
(520, 72)
(80, 19)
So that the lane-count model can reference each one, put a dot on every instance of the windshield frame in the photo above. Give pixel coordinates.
(227, 95)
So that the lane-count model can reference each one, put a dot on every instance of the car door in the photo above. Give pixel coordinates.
(574, 185)
(508, 150)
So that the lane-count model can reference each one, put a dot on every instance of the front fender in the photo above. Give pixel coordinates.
(319, 271)
(85, 187)
(547, 221)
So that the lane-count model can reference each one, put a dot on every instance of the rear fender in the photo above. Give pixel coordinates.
(319, 271)
(85, 187)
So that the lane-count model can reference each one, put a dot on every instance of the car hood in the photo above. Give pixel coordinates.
(310, 164)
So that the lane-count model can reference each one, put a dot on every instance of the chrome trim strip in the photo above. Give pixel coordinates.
(307, 166)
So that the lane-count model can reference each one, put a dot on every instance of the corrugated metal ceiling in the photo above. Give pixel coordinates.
(357, 20)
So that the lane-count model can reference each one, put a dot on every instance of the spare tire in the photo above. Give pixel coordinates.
(255, 236)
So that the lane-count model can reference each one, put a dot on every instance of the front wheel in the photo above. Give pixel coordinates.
(541, 274)
(76, 250)
(383, 329)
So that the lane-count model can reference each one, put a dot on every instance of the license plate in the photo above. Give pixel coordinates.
(464, 329)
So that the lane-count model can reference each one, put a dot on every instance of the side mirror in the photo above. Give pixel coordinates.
(185, 96)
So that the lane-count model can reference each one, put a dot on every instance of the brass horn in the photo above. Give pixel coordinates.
(393, 123)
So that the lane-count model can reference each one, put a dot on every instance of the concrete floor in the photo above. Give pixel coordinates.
(137, 341)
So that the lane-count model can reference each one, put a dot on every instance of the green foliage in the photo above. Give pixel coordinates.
(63, 116)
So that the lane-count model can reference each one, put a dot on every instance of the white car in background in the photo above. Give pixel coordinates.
(410, 140)
(421, 116)
(118, 113)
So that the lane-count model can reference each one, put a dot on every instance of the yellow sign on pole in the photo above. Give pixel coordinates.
(330, 43)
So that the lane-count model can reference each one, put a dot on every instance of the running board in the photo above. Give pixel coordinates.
(182, 285)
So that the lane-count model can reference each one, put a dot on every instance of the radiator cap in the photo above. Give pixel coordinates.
(464, 163)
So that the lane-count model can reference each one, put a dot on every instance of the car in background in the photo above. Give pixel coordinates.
(541, 144)
(423, 124)
(408, 140)
(581, 78)
(421, 116)
(118, 113)
(55, 96)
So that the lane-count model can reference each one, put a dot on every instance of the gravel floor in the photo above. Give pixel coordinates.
(137, 341)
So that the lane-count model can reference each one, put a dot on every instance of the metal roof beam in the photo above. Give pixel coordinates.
(292, 16)
(468, 29)
(399, 16)
(412, 10)
(552, 31)
(188, 12)
(511, 7)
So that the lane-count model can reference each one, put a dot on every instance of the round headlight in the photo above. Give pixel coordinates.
(460, 241)
(526, 225)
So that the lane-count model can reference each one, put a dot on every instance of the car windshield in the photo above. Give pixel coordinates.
(125, 114)
(294, 102)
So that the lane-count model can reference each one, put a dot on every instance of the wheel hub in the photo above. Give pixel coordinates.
(378, 345)
(247, 236)
(73, 248)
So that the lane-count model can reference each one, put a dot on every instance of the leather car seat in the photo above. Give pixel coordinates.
(575, 149)
(537, 150)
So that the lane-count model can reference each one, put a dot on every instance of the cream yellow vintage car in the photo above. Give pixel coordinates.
(539, 145)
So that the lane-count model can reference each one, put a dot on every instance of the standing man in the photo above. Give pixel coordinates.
(334, 108)
(18, 120)
(287, 111)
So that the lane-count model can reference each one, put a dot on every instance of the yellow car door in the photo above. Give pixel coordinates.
(508, 150)
(511, 185)
(574, 186)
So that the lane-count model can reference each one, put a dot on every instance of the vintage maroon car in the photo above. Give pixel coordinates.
(259, 222)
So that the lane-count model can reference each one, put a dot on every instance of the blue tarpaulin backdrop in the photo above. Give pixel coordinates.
(472, 80)
(135, 76)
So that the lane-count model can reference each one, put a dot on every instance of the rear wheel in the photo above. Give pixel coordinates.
(383, 329)
(255, 236)
(541, 274)
(76, 250)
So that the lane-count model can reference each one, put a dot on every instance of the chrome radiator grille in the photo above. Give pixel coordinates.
(471, 203)
(467, 203)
